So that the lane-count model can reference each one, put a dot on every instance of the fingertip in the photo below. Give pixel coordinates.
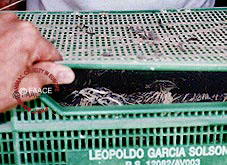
(65, 76)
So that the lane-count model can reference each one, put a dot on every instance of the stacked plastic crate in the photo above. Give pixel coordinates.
(173, 40)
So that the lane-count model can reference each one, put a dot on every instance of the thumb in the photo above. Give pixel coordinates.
(49, 73)
(63, 74)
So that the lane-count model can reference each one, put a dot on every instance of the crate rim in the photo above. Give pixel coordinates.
(153, 67)
(126, 109)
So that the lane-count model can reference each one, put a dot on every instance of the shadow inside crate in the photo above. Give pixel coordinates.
(138, 87)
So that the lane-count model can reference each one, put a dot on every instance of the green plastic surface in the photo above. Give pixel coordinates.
(66, 135)
(188, 40)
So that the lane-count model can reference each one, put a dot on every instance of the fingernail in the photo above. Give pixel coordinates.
(65, 77)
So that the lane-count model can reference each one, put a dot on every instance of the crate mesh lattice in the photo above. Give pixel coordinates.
(180, 38)
(51, 146)
(33, 145)
(6, 148)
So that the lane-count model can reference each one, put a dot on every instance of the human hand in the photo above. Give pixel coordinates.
(22, 47)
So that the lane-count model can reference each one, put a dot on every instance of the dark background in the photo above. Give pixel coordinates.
(22, 6)
(221, 3)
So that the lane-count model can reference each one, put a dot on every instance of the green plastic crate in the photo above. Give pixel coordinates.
(52, 138)
(115, 46)
(68, 135)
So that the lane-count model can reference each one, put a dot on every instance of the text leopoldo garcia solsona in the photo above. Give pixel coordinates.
(33, 92)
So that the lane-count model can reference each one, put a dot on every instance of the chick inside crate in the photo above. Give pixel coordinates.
(150, 89)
